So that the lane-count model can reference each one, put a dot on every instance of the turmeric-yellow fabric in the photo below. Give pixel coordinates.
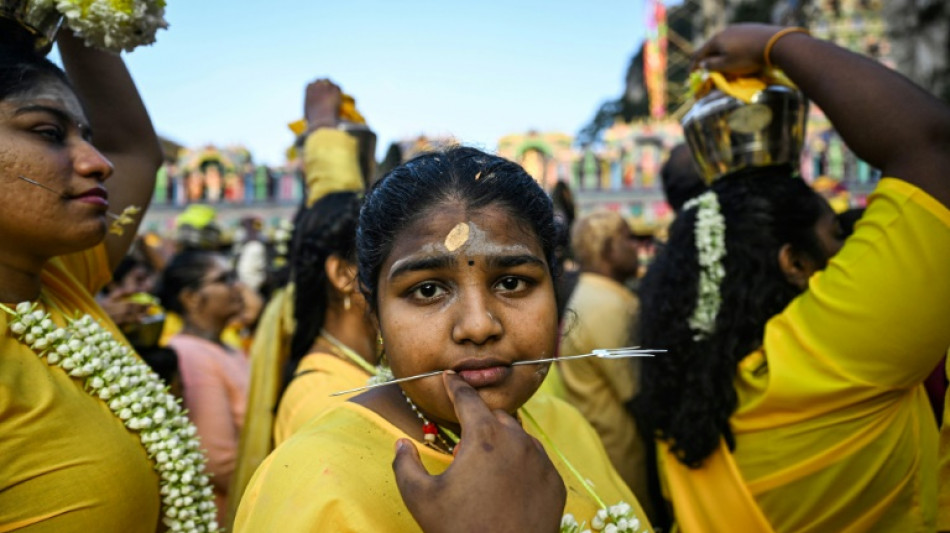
(269, 352)
(318, 375)
(331, 163)
(335, 473)
(67, 463)
(833, 430)
(943, 503)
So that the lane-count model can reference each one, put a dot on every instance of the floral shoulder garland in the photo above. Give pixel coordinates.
(138, 397)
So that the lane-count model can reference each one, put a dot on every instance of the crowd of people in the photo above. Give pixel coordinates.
(789, 397)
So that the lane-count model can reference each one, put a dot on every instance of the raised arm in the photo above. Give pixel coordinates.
(883, 117)
(121, 128)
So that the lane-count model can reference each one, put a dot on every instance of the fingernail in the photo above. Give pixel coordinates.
(400, 445)
(450, 372)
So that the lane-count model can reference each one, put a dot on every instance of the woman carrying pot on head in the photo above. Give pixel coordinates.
(456, 262)
(791, 398)
(81, 423)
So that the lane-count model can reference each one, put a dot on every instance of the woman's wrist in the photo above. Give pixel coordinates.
(780, 35)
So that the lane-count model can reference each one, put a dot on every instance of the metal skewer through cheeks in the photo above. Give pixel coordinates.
(61, 195)
(613, 353)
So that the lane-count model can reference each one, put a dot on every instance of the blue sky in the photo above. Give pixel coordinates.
(234, 71)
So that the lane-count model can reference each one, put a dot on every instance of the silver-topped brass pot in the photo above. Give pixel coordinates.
(726, 134)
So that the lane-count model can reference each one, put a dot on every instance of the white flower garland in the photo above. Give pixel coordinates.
(136, 395)
(614, 519)
(112, 24)
(710, 233)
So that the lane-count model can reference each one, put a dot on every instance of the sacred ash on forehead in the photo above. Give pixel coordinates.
(457, 237)
(55, 92)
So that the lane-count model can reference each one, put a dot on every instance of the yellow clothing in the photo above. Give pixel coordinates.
(331, 163)
(604, 316)
(335, 474)
(318, 375)
(553, 385)
(269, 353)
(943, 503)
(833, 430)
(67, 463)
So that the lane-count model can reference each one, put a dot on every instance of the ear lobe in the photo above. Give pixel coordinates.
(796, 266)
(341, 274)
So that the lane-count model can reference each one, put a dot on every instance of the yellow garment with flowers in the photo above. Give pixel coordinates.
(67, 463)
(308, 394)
(335, 473)
(833, 430)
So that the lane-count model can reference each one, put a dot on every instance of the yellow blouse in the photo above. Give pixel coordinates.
(335, 473)
(308, 394)
(833, 430)
(67, 463)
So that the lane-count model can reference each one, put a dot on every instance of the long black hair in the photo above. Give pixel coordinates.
(687, 395)
(458, 174)
(326, 228)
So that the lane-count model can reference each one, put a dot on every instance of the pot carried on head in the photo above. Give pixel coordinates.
(744, 122)
(30, 20)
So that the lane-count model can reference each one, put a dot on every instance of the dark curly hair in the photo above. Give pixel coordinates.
(326, 228)
(687, 395)
(458, 174)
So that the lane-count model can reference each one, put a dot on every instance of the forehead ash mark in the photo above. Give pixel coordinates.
(53, 91)
(457, 237)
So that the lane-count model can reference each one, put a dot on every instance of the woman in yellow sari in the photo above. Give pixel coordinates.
(456, 255)
(70, 461)
(333, 347)
(791, 398)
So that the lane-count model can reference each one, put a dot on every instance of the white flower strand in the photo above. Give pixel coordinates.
(112, 25)
(618, 518)
(710, 233)
(85, 349)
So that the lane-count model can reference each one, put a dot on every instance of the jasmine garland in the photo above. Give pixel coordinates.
(710, 235)
(138, 397)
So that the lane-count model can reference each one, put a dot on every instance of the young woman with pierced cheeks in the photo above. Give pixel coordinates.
(456, 255)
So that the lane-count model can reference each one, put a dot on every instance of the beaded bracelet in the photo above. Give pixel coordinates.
(767, 54)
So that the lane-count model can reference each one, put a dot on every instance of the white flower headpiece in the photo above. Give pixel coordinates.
(710, 233)
(111, 24)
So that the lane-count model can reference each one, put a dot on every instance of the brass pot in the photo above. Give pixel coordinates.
(726, 134)
(38, 21)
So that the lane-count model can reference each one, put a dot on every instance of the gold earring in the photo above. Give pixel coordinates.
(346, 302)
